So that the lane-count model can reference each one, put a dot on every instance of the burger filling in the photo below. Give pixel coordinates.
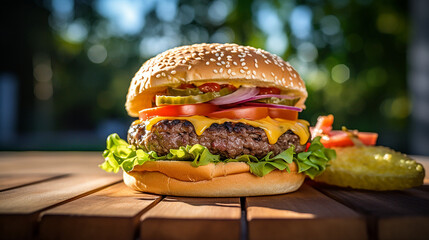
(229, 140)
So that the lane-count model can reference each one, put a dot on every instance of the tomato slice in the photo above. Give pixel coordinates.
(178, 110)
(255, 113)
(338, 138)
(283, 113)
(251, 113)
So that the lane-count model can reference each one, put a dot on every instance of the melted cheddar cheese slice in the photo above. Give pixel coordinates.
(274, 128)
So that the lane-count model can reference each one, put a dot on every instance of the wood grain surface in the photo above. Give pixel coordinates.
(305, 214)
(9, 181)
(64, 195)
(192, 218)
(112, 213)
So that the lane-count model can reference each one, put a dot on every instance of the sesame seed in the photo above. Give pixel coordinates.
(219, 64)
(190, 66)
(245, 67)
(227, 65)
(158, 75)
(173, 72)
(183, 61)
(219, 58)
(242, 71)
(233, 73)
(256, 65)
(221, 70)
(235, 63)
(256, 60)
(243, 64)
(242, 60)
(223, 62)
(207, 52)
(290, 78)
(294, 75)
(248, 72)
(163, 74)
(207, 63)
(254, 72)
(197, 58)
(263, 75)
(272, 74)
(217, 54)
(212, 59)
(214, 70)
(229, 71)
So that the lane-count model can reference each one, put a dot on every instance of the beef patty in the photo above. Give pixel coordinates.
(229, 140)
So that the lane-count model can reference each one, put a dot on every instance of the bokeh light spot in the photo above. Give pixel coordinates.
(307, 52)
(43, 90)
(97, 53)
(300, 21)
(387, 23)
(340, 73)
(330, 25)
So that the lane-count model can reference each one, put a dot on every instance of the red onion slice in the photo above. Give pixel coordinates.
(257, 97)
(273, 106)
(241, 94)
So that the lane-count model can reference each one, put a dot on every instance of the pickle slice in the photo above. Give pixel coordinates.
(192, 99)
(183, 92)
(280, 101)
(372, 168)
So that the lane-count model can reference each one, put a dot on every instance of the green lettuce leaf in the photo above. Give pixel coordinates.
(119, 154)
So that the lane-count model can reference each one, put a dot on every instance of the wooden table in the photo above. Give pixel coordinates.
(64, 195)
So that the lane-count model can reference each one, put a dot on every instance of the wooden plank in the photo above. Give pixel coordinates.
(305, 214)
(192, 218)
(8, 181)
(390, 209)
(112, 213)
(50, 162)
(20, 207)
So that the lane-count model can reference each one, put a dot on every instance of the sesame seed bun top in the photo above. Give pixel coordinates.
(220, 63)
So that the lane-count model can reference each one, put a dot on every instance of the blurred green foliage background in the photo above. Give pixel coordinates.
(72, 60)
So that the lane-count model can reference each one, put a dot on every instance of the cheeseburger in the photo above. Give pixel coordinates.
(216, 120)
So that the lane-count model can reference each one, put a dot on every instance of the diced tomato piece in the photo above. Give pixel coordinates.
(338, 138)
(324, 124)
(186, 85)
(209, 87)
(178, 110)
(269, 90)
(230, 86)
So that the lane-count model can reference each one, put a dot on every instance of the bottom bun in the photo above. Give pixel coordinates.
(238, 184)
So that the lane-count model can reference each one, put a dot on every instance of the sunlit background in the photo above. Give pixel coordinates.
(67, 64)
